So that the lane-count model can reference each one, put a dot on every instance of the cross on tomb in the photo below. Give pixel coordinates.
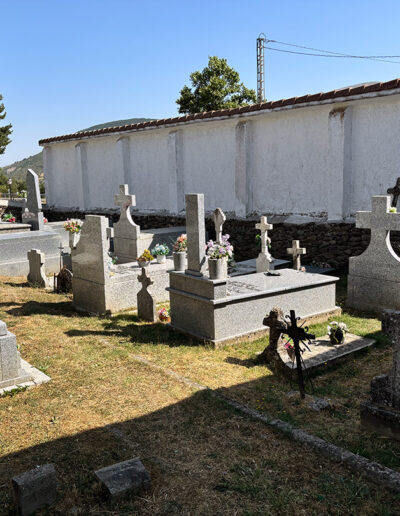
(264, 227)
(296, 251)
(125, 200)
(379, 220)
(219, 218)
(146, 304)
(144, 279)
(395, 192)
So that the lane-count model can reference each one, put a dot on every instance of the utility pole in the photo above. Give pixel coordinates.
(260, 68)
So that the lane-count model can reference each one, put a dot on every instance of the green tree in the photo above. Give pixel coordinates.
(5, 131)
(217, 86)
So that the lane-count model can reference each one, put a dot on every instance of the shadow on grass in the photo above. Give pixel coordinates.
(64, 308)
(137, 332)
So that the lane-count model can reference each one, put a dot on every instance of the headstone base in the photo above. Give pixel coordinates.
(380, 419)
(373, 294)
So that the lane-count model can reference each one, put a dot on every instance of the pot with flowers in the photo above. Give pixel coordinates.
(145, 258)
(219, 253)
(160, 251)
(179, 253)
(164, 315)
(337, 332)
(9, 217)
(73, 227)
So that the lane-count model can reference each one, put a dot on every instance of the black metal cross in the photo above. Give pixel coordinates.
(395, 192)
(298, 334)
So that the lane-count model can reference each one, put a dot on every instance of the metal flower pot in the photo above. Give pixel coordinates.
(218, 268)
(180, 261)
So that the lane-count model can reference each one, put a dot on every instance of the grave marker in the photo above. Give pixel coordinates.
(32, 213)
(146, 304)
(374, 276)
(196, 234)
(264, 259)
(37, 263)
(296, 251)
(219, 218)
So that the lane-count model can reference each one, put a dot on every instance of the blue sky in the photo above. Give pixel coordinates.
(70, 64)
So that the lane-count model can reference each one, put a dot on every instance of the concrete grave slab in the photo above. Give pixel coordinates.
(125, 478)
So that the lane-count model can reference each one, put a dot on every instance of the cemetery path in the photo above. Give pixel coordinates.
(104, 406)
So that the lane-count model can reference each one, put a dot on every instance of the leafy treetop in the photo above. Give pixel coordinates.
(217, 86)
(5, 131)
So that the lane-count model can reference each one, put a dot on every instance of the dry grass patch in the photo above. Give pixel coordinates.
(204, 457)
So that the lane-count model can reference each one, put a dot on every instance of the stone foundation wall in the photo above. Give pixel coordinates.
(331, 243)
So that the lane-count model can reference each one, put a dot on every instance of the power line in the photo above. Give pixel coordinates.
(324, 53)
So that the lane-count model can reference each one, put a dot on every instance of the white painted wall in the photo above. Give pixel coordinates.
(324, 161)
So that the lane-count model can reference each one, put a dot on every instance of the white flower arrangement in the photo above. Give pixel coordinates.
(337, 332)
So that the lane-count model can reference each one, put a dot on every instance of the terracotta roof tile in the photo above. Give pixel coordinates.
(345, 92)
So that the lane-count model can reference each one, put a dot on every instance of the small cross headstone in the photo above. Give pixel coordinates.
(264, 258)
(126, 232)
(296, 251)
(219, 218)
(37, 263)
(395, 192)
(146, 303)
(63, 280)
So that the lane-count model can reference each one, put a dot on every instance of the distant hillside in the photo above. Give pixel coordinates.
(18, 169)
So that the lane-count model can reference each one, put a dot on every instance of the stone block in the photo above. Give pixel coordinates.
(124, 478)
(35, 489)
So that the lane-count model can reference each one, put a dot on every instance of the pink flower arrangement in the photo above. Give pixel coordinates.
(220, 250)
(180, 244)
(163, 315)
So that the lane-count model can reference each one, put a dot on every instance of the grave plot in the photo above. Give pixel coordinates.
(226, 309)
(104, 406)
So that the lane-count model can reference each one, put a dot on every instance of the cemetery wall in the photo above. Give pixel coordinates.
(323, 160)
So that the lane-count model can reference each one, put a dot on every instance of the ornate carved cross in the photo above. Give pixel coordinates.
(264, 227)
(395, 192)
(296, 251)
(144, 279)
(124, 200)
(219, 218)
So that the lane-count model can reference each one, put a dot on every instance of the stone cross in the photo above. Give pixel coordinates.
(32, 213)
(395, 192)
(219, 218)
(196, 234)
(264, 258)
(37, 263)
(296, 251)
(146, 304)
(129, 243)
(380, 221)
(125, 200)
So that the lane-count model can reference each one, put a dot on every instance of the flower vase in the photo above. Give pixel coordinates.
(337, 337)
(161, 258)
(179, 261)
(143, 264)
(73, 239)
(218, 268)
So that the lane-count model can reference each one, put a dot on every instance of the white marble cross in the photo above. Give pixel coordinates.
(296, 251)
(264, 258)
(219, 218)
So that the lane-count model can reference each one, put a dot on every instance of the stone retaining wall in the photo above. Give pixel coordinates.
(331, 243)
